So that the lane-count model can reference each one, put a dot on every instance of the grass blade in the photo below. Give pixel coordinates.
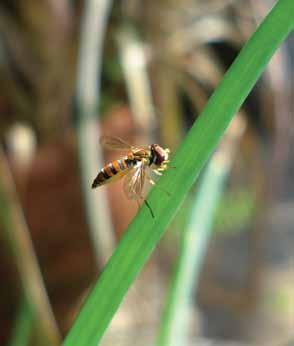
(23, 325)
(144, 232)
(87, 102)
(18, 239)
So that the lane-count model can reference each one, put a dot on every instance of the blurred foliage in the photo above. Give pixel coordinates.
(235, 212)
(112, 92)
(22, 329)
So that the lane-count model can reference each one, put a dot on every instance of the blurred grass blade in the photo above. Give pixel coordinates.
(22, 328)
(87, 102)
(144, 232)
(18, 239)
(133, 59)
(175, 321)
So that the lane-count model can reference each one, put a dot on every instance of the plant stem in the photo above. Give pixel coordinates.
(87, 99)
(19, 241)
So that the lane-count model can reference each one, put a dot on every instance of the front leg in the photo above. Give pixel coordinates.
(156, 171)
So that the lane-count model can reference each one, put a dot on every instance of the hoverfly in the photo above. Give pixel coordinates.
(133, 166)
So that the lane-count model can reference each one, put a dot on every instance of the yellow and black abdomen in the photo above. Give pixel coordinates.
(112, 171)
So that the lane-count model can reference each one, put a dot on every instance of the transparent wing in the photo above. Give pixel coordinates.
(114, 143)
(134, 182)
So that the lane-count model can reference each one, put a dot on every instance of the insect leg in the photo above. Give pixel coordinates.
(152, 182)
(146, 203)
(148, 206)
(157, 172)
(138, 198)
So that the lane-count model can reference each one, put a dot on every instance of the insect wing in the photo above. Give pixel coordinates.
(114, 143)
(134, 182)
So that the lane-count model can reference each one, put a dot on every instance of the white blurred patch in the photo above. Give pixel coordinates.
(21, 143)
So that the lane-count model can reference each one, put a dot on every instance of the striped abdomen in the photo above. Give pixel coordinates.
(113, 169)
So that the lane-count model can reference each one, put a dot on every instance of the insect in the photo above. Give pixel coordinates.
(133, 166)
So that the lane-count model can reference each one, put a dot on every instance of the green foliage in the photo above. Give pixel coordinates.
(278, 300)
(22, 328)
(144, 232)
(235, 211)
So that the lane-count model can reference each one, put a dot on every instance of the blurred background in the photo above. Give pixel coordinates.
(71, 71)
